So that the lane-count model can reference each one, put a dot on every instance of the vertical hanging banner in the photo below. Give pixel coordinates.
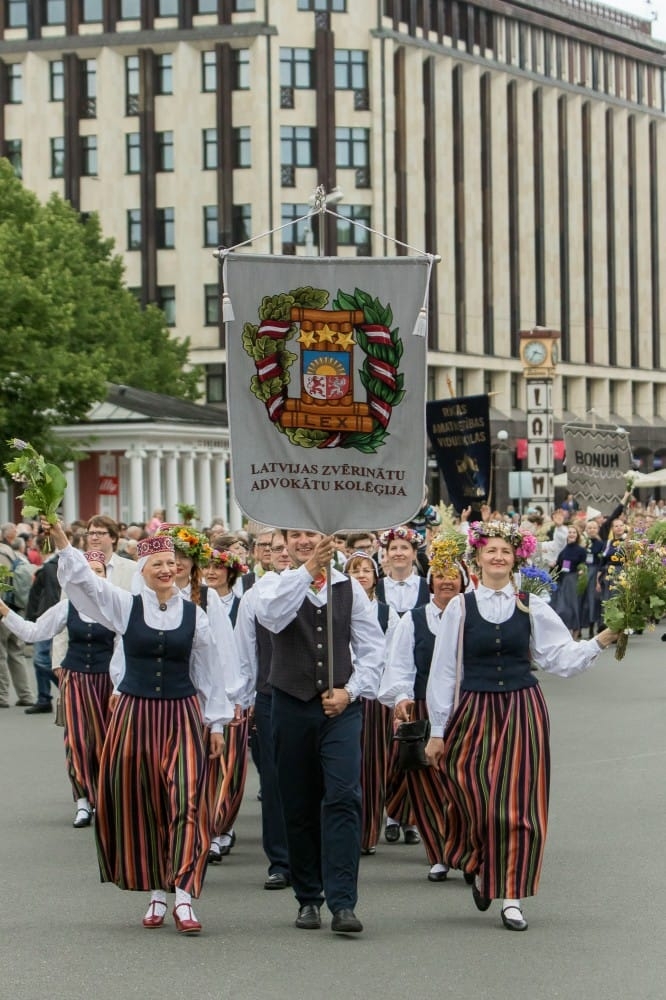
(326, 389)
(598, 460)
(459, 431)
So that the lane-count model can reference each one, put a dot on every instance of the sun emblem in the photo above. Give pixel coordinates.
(326, 378)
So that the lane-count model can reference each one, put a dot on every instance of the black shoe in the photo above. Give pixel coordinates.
(437, 876)
(482, 902)
(214, 854)
(83, 818)
(278, 880)
(5, 704)
(392, 833)
(367, 851)
(514, 923)
(308, 918)
(469, 877)
(412, 837)
(39, 708)
(346, 922)
(22, 702)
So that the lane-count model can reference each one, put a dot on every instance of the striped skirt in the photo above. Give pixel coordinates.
(496, 769)
(398, 806)
(152, 816)
(373, 770)
(426, 796)
(85, 702)
(225, 796)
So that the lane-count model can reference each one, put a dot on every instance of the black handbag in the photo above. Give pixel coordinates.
(412, 738)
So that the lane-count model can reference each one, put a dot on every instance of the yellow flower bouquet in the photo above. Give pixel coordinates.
(637, 575)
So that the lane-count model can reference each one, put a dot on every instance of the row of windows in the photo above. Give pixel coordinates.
(296, 72)
(298, 230)
(53, 12)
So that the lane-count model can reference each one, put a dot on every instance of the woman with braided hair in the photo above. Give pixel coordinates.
(490, 726)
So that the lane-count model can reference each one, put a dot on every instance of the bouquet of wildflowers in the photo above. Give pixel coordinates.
(535, 580)
(44, 483)
(637, 575)
(190, 542)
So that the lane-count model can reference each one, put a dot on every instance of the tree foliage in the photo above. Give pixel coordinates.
(68, 324)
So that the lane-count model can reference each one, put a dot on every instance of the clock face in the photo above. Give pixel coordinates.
(535, 352)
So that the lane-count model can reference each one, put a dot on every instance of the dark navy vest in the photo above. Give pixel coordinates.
(422, 598)
(383, 614)
(157, 661)
(300, 656)
(264, 640)
(424, 644)
(496, 657)
(90, 645)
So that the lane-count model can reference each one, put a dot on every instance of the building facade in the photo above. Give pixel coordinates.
(524, 142)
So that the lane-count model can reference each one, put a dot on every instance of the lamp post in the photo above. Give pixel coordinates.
(501, 467)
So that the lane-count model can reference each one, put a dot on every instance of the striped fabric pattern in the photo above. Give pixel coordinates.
(376, 719)
(496, 779)
(85, 702)
(225, 798)
(152, 814)
(398, 805)
(426, 795)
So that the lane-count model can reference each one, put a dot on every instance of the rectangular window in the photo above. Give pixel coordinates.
(349, 235)
(167, 8)
(88, 88)
(166, 229)
(243, 6)
(208, 72)
(164, 83)
(296, 68)
(15, 83)
(209, 148)
(352, 149)
(134, 229)
(211, 305)
(297, 145)
(54, 12)
(211, 227)
(334, 6)
(89, 155)
(92, 11)
(58, 157)
(166, 300)
(241, 223)
(130, 10)
(56, 80)
(133, 153)
(15, 156)
(351, 69)
(17, 13)
(205, 7)
(165, 157)
(297, 233)
(132, 85)
(216, 383)
(241, 69)
(242, 147)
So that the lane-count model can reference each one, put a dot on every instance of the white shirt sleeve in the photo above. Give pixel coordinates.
(398, 678)
(440, 691)
(367, 644)
(225, 642)
(208, 677)
(48, 625)
(246, 642)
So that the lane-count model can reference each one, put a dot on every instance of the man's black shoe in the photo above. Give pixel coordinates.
(308, 918)
(346, 922)
(39, 708)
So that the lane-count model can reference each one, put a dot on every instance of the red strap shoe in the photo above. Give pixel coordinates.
(187, 924)
(152, 917)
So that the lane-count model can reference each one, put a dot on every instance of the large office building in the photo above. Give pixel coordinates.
(524, 142)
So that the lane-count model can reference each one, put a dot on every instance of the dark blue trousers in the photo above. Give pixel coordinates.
(272, 823)
(319, 774)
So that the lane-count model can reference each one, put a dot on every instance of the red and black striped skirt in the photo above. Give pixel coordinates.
(496, 769)
(85, 702)
(152, 814)
(225, 796)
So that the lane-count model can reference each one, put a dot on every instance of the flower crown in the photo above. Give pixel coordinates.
(406, 534)
(447, 551)
(523, 542)
(187, 541)
(227, 560)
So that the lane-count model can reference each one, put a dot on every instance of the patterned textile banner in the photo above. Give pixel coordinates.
(459, 431)
(598, 460)
(326, 389)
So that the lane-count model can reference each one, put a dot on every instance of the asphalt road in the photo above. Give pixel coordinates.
(597, 928)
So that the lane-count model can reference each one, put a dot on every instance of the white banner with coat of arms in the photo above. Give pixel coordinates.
(326, 390)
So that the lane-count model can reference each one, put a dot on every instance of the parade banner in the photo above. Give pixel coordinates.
(598, 460)
(459, 431)
(326, 389)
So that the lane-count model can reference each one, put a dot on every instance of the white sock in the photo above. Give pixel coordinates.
(157, 897)
(183, 897)
(508, 903)
(217, 841)
(391, 822)
(436, 869)
(414, 828)
(83, 804)
(225, 839)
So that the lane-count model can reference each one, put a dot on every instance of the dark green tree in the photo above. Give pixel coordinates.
(68, 323)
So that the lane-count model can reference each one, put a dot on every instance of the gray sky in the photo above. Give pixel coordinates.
(645, 8)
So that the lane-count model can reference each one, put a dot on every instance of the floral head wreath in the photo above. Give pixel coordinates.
(446, 554)
(524, 543)
(227, 560)
(406, 534)
(187, 541)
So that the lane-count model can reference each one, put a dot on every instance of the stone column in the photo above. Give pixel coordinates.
(136, 498)
(171, 477)
(70, 504)
(204, 489)
(155, 491)
(188, 487)
(220, 495)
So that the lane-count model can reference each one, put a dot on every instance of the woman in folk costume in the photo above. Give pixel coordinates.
(403, 686)
(152, 817)
(376, 718)
(85, 687)
(493, 746)
(226, 782)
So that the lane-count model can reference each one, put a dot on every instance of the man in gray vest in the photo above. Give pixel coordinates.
(317, 732)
